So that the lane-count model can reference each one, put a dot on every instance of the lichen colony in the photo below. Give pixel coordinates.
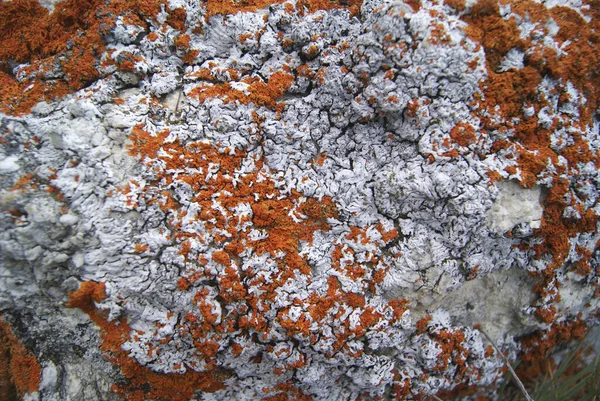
(300, 199)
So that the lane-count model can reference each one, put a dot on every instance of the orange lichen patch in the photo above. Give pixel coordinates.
(127, 62)
(463, 134)
(143, 143)
(29, 34)
(244, 37)
(182, 41)
(438, 35)
(315, 5)
(458, 5)
(20, 371)
(463, 390)
(284, 392)
(506, 94)
(582, 266)
(176, 18)
(387, 236)
(88, 293)
(226, 7)
(222, 258)
(511, 90)
(399, 306)
(25, 183)
(28, 31)
(546, 314)
(285, 222)
(152, 36)
(320, 160)
(142, 382)
(452, 350)
(257, 92)
(423, 324)
(190, 56)
(18, 98)
(556, 230)
(140, 248)
(539, 346)
(401, 388)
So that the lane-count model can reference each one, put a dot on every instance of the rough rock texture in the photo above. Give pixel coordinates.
(306, 199)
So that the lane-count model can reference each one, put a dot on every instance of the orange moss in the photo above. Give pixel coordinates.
(142, 383)
(20, 371)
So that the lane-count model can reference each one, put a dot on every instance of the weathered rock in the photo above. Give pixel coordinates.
(299, 199)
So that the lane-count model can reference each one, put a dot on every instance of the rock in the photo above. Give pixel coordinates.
(299, 199)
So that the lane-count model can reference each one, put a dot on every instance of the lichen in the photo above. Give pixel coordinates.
(297, 199)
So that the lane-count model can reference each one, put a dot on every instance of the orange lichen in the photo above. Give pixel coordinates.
(507, 93)
(142, 383)
(258, 92)
(315, 5)
(144, 143)
(414, 4)
(70, 36)
(140, 248)
(176, 18)
(538, 346)
(463, 134)
(285, 220)
(452, 350)
(225, 7)
(458, 5)
(284, 392)
(25, 183)
(182, 41)
(20, 371)
(423, 324)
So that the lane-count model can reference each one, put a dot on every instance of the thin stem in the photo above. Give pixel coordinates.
(510, 369)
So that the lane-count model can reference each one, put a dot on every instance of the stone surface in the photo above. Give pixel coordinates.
(302, 199)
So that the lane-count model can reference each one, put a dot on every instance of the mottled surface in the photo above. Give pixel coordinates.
(302, 200)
